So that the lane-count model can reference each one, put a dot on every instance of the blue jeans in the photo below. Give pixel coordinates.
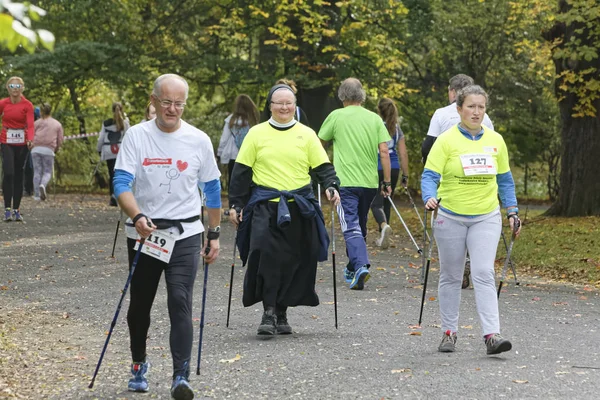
(355, 205)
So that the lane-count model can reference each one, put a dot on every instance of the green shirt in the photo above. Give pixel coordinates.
(356, 133)
(468, 170)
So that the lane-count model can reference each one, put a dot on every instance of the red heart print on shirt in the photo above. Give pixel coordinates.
(182, 165)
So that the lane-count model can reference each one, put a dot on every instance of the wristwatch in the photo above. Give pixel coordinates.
(213, 233)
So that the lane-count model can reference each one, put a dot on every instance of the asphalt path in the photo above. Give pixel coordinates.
(60, 288)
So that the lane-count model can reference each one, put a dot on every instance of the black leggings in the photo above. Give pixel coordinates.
(180, 275)
(111, 173)
(13, 162)
(380, 206)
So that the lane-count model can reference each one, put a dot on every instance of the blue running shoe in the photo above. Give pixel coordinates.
(360, 277)
(348, 275)
(7, 217)
(139, 382)
(181, 389)
(16, 214)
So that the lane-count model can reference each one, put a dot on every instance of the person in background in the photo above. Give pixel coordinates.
(468, 167)
(380, 207)
(237, 124)
(150, 113)
(444, 119)
(109, 142)
(357, 135)
(28, 186)
(48, 139)
(16, 139)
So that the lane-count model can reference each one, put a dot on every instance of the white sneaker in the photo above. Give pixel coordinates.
(384, 239)
(42, 192)
(36, 198)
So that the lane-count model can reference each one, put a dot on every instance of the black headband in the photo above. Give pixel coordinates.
(277, 87)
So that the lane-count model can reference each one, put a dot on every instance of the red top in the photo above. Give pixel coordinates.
(17, 116)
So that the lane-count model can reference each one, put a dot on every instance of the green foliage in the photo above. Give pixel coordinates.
(15, 27)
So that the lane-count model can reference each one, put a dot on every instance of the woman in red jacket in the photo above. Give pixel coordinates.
(16, 139)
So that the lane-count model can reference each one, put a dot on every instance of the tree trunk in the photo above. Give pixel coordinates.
(76, 107)
(579, 193)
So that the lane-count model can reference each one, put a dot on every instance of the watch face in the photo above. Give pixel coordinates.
(215, 229)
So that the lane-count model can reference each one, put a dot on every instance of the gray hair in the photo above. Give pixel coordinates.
(470, 90)
(156, 89)
(351, 90)
(460, 81)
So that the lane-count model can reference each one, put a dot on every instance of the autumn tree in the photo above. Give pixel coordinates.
(576, 41)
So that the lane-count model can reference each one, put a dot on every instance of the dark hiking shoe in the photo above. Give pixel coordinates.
(348, 275)
(7, 216)
(181, 389)
(283, 328)
(139, 382)
(267, 325)
(466, 274)
(448, 344)
(496, 344)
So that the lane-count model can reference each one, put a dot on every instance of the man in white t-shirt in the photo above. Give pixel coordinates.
(168, 159)
(443, 119)
(446, 117)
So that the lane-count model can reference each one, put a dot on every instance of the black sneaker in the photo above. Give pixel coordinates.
(181, 389)
(267, 325)
(496, 344)
(448, 344)
(466, 274)
(283, 328)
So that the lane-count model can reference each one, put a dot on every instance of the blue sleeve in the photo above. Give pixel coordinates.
(506, 189)
(122, 182)
(429, 184)
(212, 190)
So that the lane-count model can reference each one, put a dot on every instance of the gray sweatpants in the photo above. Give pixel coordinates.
(42, 170)
(454, 236)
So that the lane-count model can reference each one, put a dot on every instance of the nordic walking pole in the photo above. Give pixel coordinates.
(331, 192)
(116, 233)
(114, 321)
(419, 250)
(319, 193)
(510, 247)
(231, 278)
(204, 287)
(416, 210)
(512, 266)
(428, 258)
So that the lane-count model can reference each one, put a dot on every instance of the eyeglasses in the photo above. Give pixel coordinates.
(282, 104)
(14, 85)
(168, 103)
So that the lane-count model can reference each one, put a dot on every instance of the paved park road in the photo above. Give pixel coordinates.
(59, 290)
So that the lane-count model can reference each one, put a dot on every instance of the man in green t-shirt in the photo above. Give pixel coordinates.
(358, 135)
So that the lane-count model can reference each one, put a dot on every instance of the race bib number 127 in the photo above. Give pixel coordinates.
(478, 164)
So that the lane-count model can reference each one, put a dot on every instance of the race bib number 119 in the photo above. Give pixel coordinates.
(158, 245)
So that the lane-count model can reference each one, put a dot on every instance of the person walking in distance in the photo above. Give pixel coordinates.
(16, 139)
(357, 135)
(444, 119)
(237, 124)
(468, 167)
(282, 233)
(109, 142)
(168, 216)
(48, 139)
(380, 208)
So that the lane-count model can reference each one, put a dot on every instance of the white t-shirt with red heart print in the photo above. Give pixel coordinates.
(167, 168)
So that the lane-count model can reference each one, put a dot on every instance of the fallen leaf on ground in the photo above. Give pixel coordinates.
(416, 333)
(327, 302)
(520, 381)
(432, 299)
(380, 269)
(414, 327)
(467, 327)
(400, 371)
(560, 303)
(231, 360)
(536, 299)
